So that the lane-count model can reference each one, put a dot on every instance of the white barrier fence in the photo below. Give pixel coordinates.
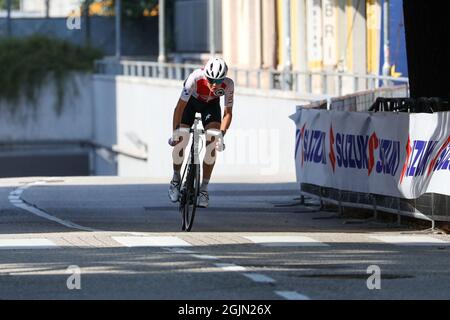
(393, 154)
(428, 142)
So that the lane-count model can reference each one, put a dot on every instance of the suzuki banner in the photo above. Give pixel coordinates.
(393, 154)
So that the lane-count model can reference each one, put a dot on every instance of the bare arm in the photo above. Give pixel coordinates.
(227, 117)
(178, 113)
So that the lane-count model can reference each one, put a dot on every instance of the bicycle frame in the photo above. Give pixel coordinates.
(196, 141)
(194, 154)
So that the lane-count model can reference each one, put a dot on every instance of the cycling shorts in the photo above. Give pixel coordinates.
(210, 112)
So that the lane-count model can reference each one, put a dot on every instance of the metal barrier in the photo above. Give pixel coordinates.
(430, 206)
(424, 105)
(309, 82)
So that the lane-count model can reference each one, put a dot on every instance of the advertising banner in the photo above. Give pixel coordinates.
(393, 154)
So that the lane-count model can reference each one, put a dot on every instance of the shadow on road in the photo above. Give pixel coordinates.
(146, 208)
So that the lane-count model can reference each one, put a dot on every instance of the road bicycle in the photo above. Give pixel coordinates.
(190, 181)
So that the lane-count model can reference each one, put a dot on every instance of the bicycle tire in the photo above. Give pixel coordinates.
(192, 191)
(182, 199)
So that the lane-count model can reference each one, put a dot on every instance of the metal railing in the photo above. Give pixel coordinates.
(309, 82)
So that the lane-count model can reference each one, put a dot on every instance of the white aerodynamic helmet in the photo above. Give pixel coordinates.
(215, 69)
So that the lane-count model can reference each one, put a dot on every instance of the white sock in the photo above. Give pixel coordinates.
(204, 185)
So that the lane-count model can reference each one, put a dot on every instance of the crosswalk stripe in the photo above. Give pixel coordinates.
(179, 250)
(281, 241)
(230, 267)
(204, 257)
(259, 277)
(411, 240)
(160, 241)
(38, 243)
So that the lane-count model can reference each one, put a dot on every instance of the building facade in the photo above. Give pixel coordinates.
(329, 35)
(56, 8)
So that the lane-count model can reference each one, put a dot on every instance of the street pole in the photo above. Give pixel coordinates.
(212, 30)
(87, 18)
(161, 20)
(118, 29)
(287, 44)
(386, 64)
(47, 9)
(8, 18)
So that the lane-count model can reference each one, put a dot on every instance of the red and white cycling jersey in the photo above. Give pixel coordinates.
(196, 85)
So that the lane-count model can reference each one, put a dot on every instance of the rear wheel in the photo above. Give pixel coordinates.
(189, 194)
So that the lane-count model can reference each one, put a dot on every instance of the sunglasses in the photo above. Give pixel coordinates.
(214, 81)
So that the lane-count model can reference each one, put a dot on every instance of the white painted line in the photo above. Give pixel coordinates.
(281, 241)
(259, 277)
(292, 295)
(38, 243)
(45, 215)
(15, 200)
(204, 257)
(162, 241)
(230, 267)
(411, 240)
(178, 250)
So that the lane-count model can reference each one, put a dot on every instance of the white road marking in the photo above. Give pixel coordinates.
(204, 257)
(230, 267)
(411, 240)
(292, 295)
(259, 277)
(281, 241)
(15, 200)
(137, 233)
(178, 250)
(37, 243)
(162, 241)
(45, 215)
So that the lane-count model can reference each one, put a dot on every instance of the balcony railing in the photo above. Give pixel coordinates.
(305, 82)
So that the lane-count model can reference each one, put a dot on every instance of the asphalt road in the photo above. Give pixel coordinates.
(117, 238)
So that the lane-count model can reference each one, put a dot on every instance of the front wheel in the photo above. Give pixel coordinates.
(189, 194)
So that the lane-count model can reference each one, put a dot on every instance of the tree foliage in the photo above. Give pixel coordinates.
(15, 4)
(131, 8)
(28, 63)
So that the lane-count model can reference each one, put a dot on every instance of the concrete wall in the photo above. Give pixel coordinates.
(259, 144)
(104, 123)
(37, 140)
(40, 122)
(128, 112)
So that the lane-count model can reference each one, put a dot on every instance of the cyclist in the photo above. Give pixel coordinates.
(201, 93)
